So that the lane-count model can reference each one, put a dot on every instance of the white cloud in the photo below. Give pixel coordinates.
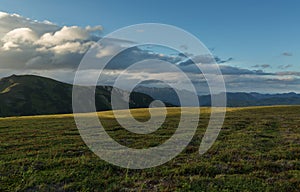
(2, 14)
(106, 51)
(67, 34)
(18, 37)
(43, 48)
(9, 22)
(72, 47)
(30, 44)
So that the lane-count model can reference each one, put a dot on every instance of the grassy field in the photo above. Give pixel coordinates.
(258, 149)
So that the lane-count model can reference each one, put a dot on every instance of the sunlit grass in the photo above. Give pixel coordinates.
(258, 149)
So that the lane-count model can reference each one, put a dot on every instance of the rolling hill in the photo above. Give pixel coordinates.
(34, 95)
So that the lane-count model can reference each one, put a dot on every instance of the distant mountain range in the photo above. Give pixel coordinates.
(34, 95)
(239, 99)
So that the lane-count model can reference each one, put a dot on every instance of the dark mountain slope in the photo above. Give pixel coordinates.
(33, 95)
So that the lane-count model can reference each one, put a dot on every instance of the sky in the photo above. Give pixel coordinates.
(260, 37)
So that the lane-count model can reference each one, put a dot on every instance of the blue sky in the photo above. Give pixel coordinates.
(252, 31)
(258, 35)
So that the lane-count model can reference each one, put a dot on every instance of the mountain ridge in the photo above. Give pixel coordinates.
(234, 99)
(22, 95)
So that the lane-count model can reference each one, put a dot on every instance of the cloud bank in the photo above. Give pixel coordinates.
(43, 48)
(28, 44)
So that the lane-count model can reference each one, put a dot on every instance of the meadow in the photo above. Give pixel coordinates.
(258, 149)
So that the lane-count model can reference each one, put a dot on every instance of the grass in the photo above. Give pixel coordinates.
(258, 149)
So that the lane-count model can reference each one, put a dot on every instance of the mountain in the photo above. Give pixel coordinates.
(34, 95)
(238, 99)
(165, 94)
(258, 99)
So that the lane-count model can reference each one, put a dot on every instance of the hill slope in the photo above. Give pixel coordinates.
(33, 95)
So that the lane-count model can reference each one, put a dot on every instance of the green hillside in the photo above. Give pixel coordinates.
(258, 149)
(34, 95)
